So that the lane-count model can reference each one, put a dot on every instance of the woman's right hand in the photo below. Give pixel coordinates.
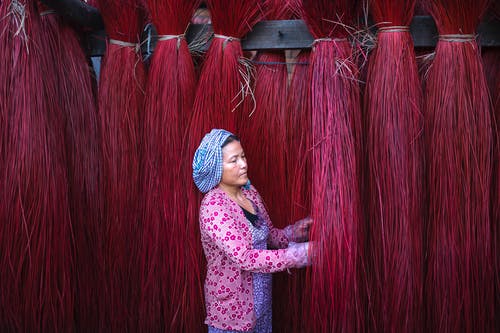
(299, 254)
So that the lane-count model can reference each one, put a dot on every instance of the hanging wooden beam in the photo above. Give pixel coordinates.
(77, 12)
(293, 34)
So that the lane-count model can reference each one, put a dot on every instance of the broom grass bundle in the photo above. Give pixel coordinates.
(170, 281)
(121, 101)
(36, 236)
(336, 302)
(298, 166)
(458, 140)
(491, 61)
(73, 95)
(299, 139)
(262, 125)
(225, 79)
(394, 137)
(223, 85)
(263, 133)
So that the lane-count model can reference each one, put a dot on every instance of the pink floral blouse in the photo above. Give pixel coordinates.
(231, 259)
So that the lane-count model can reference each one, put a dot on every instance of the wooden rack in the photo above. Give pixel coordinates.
(293, 34)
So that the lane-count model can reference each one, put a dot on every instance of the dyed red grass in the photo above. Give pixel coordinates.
(219, 97)
(121, 95)
(394, 137)
(458, 131)
(263, 132)
(36, 236)
(221, 89)
(335, 298)
(72, 94)
(170, 282)
(491, 60)
(299, 146)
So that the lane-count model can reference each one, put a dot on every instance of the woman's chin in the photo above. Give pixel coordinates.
(243, 181)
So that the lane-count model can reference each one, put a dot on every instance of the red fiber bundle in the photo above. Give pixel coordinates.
(298, 146)
(72, 93)
(222, 87)
(262, 125)
(458, 140)
(491, 61)
(224, 80)
(170, 281)
(299, 138)
(394, 137)
(121, 95)
(263, 133)
(36, 240)
(336, 304)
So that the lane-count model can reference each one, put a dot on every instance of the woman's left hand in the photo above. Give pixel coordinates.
(301, 229)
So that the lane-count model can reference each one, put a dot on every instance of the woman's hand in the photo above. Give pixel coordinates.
(301, 229)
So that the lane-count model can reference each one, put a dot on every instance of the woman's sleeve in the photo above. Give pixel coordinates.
(232, 237)
(277, 237)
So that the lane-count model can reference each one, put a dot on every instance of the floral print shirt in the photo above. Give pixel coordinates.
(231, 259)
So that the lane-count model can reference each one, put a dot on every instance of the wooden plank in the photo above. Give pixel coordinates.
(293, 34)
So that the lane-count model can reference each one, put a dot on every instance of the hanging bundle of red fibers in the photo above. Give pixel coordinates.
(36, 240)
(121, 95)
(493, 72)
(262, 125)
(225, 78)
(298, 143)
(170, 281)
(73, 94)
(263, 133)
(298, 166)
(394, 137)
(491, 61)
(458, 134)
(224, 82)
(336, 303)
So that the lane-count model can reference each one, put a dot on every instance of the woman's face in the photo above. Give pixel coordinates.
(234, 165)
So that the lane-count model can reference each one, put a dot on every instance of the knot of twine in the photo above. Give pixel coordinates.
(136, 46)
(458, 38)
(227, 39)
(180, 37)
(395, 28)
(327, 39)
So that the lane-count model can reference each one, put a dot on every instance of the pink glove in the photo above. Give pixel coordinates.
(298, 253)
(299, 231)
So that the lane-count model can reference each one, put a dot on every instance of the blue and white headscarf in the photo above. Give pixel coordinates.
(207, 160)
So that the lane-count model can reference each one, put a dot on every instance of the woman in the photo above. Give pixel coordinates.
(235, 231)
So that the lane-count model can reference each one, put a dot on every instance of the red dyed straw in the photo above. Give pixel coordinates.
(263, 132)
(298, 143)
(170, 283)
(394, 137)
(458, 130)
(491, 58)
(36, 239)
(222, 88)
(121, 94)
(73, 93)
(335, 298)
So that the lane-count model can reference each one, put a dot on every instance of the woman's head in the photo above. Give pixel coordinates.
(209, 159)
(234, 163)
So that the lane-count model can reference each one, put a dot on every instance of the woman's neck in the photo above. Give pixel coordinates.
(233, 191)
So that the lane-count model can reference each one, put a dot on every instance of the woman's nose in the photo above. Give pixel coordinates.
(243, 163)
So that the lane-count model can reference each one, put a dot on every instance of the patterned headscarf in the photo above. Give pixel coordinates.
(207, 160)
